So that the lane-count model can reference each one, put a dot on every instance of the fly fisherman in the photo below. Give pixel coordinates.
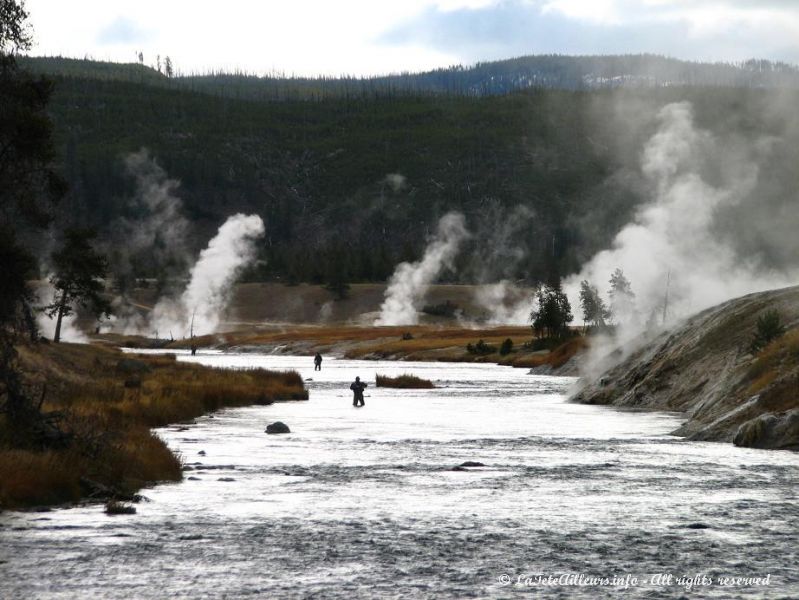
(357, 388)
(317, 361)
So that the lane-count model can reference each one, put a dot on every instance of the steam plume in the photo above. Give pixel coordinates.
(504, 303)
(212, 277)
(155, 231)
(410, 281)
(674, 239)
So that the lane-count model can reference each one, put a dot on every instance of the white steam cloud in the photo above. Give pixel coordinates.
(673, 240)
(155, 232)
(504, 303)
(211, 280)
(410, 281)
(396, 181)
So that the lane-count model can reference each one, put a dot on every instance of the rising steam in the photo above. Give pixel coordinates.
(673, 251)
(211, 280)
(155, 230)
(410, 281)
(504, 303)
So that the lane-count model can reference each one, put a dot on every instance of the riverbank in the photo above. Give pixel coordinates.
(99, 406)
(706, 369)
(425, 343)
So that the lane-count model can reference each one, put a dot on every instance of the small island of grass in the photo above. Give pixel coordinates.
(406, 380)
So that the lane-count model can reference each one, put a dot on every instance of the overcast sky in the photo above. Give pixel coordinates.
(362, 37)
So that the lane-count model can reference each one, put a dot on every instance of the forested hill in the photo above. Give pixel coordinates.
(486, 78)
(349, 186)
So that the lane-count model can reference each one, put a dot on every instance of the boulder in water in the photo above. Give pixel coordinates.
(277, 427)
(471, 463)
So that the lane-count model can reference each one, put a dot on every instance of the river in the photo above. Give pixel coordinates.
(574, 502)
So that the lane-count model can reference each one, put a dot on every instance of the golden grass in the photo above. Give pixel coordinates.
(784, 348)
(426, 343)
(773, 373)
(762, 382)
(405, 381)
(110, 421)
(555, 359)
(424, 336)
(38, 478)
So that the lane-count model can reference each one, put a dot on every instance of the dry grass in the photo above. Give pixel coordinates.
(404, 381)
(426, 343)
(774, 375)
(784, 349)
(762, 382)
(38, 478)
(109, 402)
(555, 359)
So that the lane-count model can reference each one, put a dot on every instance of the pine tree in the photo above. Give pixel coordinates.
(622, 298)
(553, 314)
(594, 309)
(28, 188)
(77, 279)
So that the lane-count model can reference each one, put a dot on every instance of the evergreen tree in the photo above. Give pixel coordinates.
(769, 327)
(28, 187)
(553, 314)
(77, 279)
(622, 298)
(594, 309)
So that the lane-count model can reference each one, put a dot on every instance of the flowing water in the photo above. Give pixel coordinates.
(574, 502)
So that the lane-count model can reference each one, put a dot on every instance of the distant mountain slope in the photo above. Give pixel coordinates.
(486, 78)
(349, 186)
(705, 369)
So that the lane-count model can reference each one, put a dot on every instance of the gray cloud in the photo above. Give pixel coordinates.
(123, 30)
(519, 27)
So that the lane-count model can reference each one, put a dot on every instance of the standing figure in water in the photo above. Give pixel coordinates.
(317, 361)
(357, 388)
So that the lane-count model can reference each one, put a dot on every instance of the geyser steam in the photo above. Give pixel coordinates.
(504, 303)
(674, 240)
(410, 281)
(156, 235)
(211, 280)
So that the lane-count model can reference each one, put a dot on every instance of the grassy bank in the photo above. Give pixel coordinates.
(417, 343)
(404, 381)
(102, 403)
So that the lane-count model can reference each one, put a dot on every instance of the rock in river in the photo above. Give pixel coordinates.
(278, 427)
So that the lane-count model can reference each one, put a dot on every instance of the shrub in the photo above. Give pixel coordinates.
(769, 327)
(480, 348)
(506, 347)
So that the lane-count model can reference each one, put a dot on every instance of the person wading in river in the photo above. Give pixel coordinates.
(317, 361)
(357, 388)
